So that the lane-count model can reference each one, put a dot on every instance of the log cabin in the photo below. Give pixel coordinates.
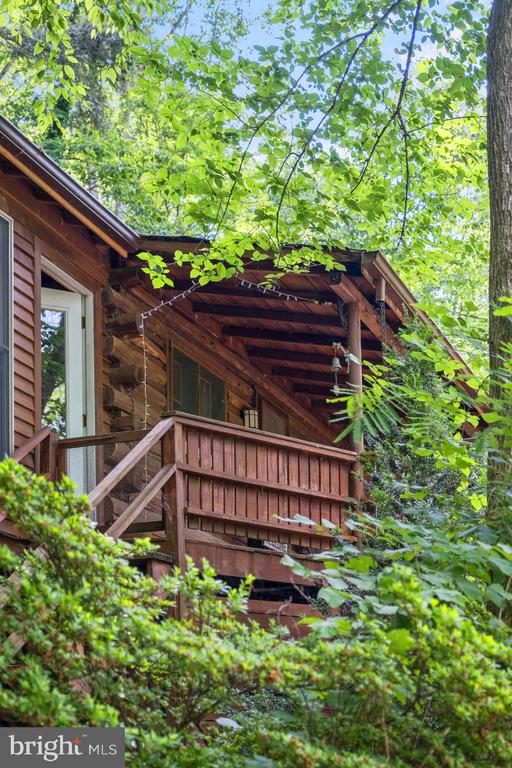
(194, 415)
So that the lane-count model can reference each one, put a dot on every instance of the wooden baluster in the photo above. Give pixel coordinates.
(60, 461)
(355, 379)
(174, 504)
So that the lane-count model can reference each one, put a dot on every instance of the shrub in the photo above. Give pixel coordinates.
(406, 680)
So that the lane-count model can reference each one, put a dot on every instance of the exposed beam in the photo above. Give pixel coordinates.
(302, 357)
(279, 354)
(350, 294)
(299, 375)
(312, 389)
(277, 316)
(292, 337)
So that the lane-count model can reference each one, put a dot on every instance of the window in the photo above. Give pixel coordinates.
(195, 389)
(5, 339)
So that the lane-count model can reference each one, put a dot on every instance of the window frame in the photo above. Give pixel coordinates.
(8, 435)
(171, 349)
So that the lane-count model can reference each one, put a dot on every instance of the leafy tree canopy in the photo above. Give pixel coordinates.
(360, 125)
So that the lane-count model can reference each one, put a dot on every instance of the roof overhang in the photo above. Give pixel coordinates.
(37, 166)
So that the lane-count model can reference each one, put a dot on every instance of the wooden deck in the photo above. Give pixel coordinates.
(226, 480)
(238, 497)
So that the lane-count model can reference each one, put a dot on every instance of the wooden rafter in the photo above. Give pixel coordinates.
(300, 318)
(293, 337)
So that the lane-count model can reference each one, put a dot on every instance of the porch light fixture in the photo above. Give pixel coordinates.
(251, 418)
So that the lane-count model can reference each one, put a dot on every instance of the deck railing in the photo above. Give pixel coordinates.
(209, 478)
(252, 484)
(196, 473)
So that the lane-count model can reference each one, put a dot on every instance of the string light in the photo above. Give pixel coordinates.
(272, 289)
(142, 325)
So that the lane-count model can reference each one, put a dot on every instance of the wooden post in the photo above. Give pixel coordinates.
(355, 380)
(173, 504)
(47, 456)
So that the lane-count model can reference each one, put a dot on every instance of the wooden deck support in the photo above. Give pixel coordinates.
(355, 380)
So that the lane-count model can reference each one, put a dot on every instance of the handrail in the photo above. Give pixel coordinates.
(90, 441)
(129, 461)
(33, 442)
(222, 428)
(257, 436)
(134, 509)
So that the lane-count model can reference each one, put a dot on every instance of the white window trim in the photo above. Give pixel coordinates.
(69, 282)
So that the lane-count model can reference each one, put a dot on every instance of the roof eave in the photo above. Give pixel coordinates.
(46, 174)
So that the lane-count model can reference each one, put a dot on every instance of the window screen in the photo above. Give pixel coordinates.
(5, 339)
(195, 389)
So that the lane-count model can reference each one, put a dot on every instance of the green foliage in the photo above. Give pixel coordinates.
(100, 648)
(413, 420)
(394, 681)
(323, 136)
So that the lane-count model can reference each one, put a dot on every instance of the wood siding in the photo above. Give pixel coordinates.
(39, 231)
(26, 308)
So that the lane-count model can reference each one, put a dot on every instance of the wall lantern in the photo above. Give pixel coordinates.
(251, 418)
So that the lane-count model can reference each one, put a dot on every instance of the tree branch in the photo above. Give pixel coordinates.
(365, 37)
(396, 113)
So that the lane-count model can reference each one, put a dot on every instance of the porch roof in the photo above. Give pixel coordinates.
(287, 331)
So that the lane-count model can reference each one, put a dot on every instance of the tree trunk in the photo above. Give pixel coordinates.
(499, 127)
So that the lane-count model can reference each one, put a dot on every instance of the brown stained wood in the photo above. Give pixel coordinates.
(114, 300)
(256, 436)
(236, 560)
(251, 482)
(126, 324)
(350, 294)
(12, 531)
(173, 449)
(48, 456)
(116, 398)
(20, 453)
(214, 290)
(266, 527)
(296, 373)
(130, 353)
(380, 290)
(262, 476)
(134, 509)
(127, 375)
(293, 337)
(49, 210)
(106, 439)
(192, 335)
(129, 462)
(275, 316)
